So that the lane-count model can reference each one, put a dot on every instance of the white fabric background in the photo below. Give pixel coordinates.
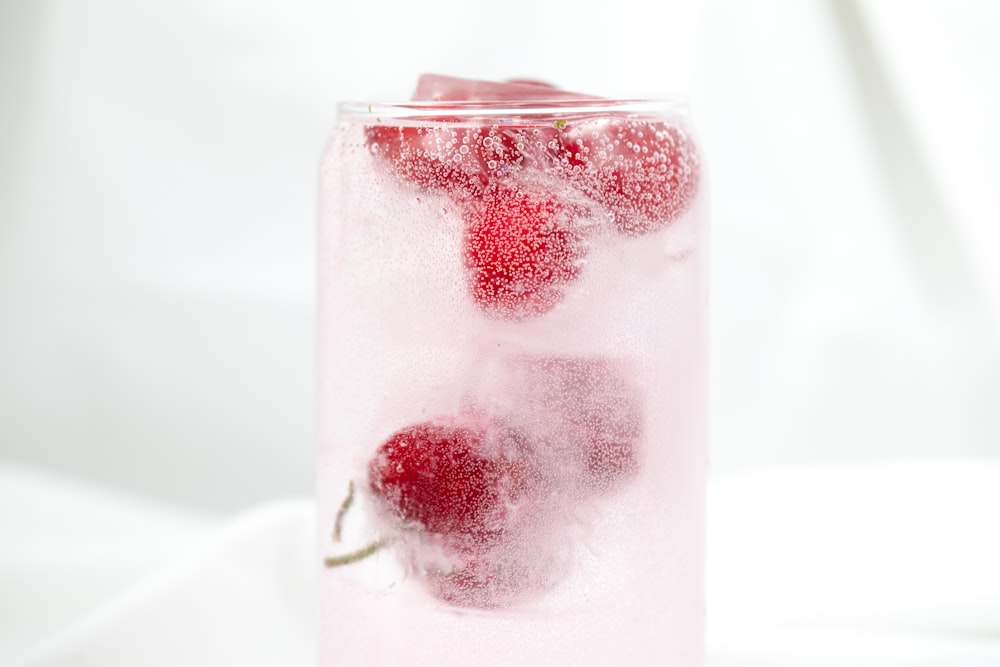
(157, 186)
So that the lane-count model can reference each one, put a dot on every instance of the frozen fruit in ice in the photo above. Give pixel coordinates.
(435, 87)
(459, 153)
(459, 157)
(475, 580)
(465, 497)
(591, 410)
(533, 557)
(644, 172)
(433, 157)
(459, 482)
(603, 411)
(610, 460)
(521, 249)
(495, 579)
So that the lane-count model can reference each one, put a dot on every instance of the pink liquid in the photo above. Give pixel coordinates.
(589, 392)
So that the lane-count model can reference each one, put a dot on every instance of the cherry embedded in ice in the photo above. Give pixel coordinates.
(610, 461)
(457, 152)
(456, 481)
(520, 250)
(484, 581)
(459, 158)
(593, 406)
(429, 157)
(644, 172)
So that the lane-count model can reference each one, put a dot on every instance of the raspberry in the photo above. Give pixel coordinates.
(644, 172)
(520, 249)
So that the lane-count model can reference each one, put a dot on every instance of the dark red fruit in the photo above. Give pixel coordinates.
(644, 172)
(460, 154)
(520, 250)
(437, 158)
(592, 405)
(499, 578)
(611, 460)
(476, 581)
(451, 480)
(459, 159)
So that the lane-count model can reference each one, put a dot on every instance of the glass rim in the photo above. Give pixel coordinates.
(441, 110)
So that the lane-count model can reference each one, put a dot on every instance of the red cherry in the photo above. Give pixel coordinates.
(473, 581)
(488, 581)
(521, 250)
(644, 172)
(457, 158)
(453, 480)
(610, 461)
(592, 405)
(458, 155)
(430, 157)
(528, 563)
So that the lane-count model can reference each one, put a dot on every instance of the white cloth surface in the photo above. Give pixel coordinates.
(870, 565)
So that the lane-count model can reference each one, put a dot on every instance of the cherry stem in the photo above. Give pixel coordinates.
(354, 556)
(342, 512)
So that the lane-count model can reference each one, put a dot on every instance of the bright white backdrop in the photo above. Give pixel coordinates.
(158, 218)
(157, 202)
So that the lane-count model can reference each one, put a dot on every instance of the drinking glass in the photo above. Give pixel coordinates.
(512, 384)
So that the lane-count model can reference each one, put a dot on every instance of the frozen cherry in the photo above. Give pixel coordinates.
(452, 480)
(644, 172)
(520, 250)
(436, 158)
(460, 158)
(594, 407)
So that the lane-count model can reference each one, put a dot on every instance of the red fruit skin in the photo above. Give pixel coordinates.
(473, 582)
(485, 581)
(465, 497)
(645, 172)
(456, 482)
(429, 157)
(458, 156)
(520, 251)
(459, 159)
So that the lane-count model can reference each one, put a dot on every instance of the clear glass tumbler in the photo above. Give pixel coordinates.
(512, 384)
